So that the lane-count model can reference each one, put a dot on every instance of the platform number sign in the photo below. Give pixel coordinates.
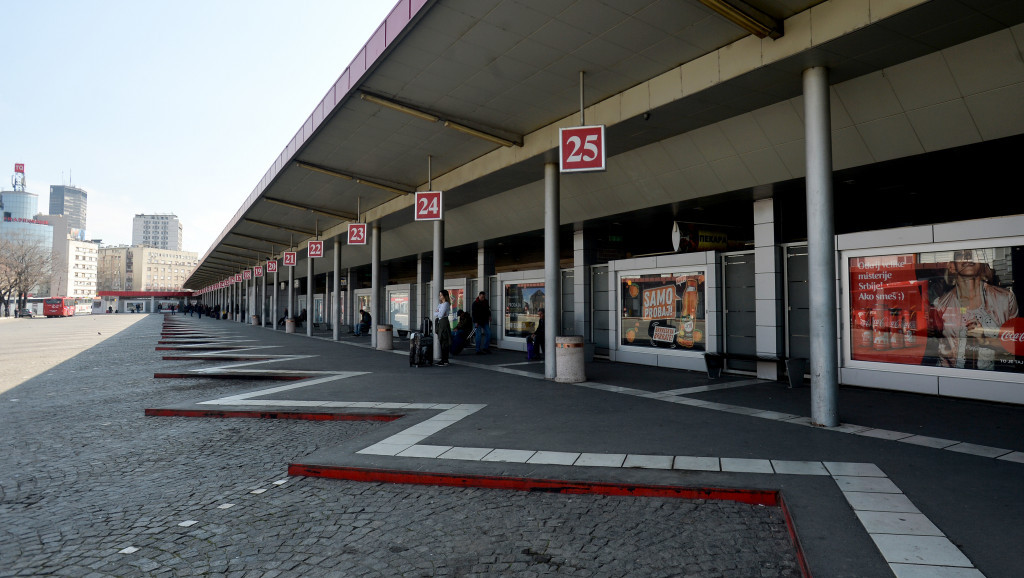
(357, 233)
(238, 277)
(428, 206)
(272, 266)
(316, 249)
(289, 258)
(581, 148)
(247, 275)
(257, 270)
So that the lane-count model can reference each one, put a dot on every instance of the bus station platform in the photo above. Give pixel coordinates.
(907, 485)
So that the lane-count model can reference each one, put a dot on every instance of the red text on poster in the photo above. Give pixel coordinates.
(660, 302)
(357, 233)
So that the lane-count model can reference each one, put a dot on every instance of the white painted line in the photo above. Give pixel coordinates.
(849, 428)
(554, 458)
(515, 456)
(702, 464)
(976, 450)
(281, 482)
(520, 363)
(799, 468)
(928, 550)
(714, 387)
(225, 506)
(774, 415)
(259, 491)
(937, 443)
(741, 410)
(601, 460)
(188, 523)
(854, 469)
(858, 484)
(423, 451)
(917, 571)
(647, 461)
(747, 466)
(875, 502)
(471, 454)
(898, 523)
(883, 434)
(1014, 457)
(128, 550)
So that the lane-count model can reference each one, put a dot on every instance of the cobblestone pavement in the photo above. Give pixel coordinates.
(91, 487)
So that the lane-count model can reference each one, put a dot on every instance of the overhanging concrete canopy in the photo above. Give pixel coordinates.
(511, 68)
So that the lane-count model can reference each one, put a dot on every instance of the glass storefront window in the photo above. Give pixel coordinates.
(362, 302)
(664, 310)
(458, 297)
(954, 308)
(398, 309)
(523, 301)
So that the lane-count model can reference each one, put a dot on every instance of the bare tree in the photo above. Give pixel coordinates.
(24, 264)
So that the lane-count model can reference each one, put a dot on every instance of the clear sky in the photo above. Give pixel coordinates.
(166, 106)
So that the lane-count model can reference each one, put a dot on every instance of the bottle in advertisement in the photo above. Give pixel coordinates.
(909, 329)
(863, 325)
(879, 331)
(690, 298)
(896, 329)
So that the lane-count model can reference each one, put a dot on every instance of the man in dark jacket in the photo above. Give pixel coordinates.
(482, 319)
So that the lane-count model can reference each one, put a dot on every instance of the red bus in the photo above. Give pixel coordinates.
(59, 307)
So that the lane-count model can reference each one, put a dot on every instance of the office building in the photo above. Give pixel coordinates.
(162, 231)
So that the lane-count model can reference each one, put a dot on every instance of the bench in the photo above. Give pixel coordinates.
(795, 366)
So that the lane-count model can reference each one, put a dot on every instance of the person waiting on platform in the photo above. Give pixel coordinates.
(280, 321)
(363, 327)
(301, 319)
(538, 334)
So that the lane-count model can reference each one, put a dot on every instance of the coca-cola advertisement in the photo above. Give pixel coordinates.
(664, 310)
(955, 309)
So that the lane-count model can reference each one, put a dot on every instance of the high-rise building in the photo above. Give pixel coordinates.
(142, 268)
(74, 261)
(70, 202)
(20, 210)
(162, 231)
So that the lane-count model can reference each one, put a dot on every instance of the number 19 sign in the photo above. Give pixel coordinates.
(581, 148)
(428, 206)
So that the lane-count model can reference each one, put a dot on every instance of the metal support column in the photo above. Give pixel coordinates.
(335, 319)
(438, 277)
(824, 362)
(309, 295)
(552, 271)
(290, 305)
(374, 282)
(273, 303)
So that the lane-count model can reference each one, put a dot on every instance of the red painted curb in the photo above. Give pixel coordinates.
(247, 377)
(805, 570)
(272, 415)
(754, 497)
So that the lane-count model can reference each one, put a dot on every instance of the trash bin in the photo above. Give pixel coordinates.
(385, 337)
(289, 325)
(569, 359)
(255, 320)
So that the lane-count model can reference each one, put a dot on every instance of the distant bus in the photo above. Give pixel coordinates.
(59, 307)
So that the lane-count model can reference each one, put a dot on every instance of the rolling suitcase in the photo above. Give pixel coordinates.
(421, 346)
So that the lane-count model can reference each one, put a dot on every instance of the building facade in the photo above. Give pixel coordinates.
(71, 202)
(74, 262)
(22, 218)
(163, 231)
(142, 268)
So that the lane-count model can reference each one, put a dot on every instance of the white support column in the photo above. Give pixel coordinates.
(290, 306)
(263, 299)
(420, 291)
(335, 319)
(374, 282)
(351, 312)
(767, 288)
(273, 303)
(438, 278)
(309, 294)
(821, 265)
(552, 271)
(581, 294)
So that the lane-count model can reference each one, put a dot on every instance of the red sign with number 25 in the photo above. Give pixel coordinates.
(581, 148)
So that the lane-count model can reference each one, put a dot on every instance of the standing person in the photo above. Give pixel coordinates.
(538, 334)
(442, 326)
(482, 318)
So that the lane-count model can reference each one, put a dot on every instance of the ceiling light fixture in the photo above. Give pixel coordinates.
(747, 17)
